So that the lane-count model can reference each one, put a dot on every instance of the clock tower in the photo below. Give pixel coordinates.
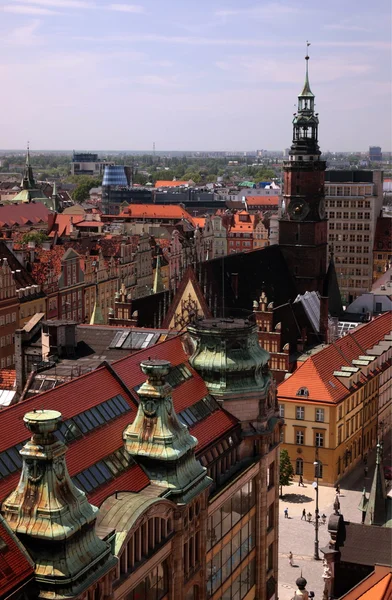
(303, 224)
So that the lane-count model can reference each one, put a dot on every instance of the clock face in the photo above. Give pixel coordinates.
(298, 210)
(321, 209)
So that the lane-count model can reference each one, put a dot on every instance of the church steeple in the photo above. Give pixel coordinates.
(305, 122)
(28, 181)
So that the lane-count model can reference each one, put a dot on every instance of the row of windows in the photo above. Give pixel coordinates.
(351, 260)
(199, 411)
(178, 375)
(7, 361)
(8, 318)
(346, 215)
(81, 424)
(349, 191)
(70, 430)
(7, 340)
(319, 413)
(300, 438)
(224, 562)
(223, 519)
(349, 238)
(349, 226)
(103, 471)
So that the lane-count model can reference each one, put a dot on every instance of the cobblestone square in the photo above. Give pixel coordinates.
(297, 535)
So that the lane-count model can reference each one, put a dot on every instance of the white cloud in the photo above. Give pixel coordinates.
(60, 3)
(22, 9)
(135, 9)
(24, 36)
(267, 11)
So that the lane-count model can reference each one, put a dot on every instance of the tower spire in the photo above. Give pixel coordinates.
(28, 181)
(306, 89)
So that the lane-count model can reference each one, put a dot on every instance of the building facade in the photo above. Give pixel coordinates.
(194, 449)
(338, 402)
(354, 201)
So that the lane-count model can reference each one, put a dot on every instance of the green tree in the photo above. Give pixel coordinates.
(84, 185)
(286, 471)
(34, 236)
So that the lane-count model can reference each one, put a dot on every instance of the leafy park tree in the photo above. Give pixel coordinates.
(286, 472)
(84, 185)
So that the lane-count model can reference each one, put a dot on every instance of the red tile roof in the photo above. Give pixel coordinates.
(15, 567)
(62, 224)
(93, 388)
(21, 214)
(157, 211)
(316, 373)
(253, 201)
(164, 183)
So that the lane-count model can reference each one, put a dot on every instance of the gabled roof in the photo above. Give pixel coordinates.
(21, 275)
(317, 372)
(189, 276)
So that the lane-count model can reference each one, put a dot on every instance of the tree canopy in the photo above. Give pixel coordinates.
(84, 185)
(286, 471)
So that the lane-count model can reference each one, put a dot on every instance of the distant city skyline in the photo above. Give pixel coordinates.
(213, 76)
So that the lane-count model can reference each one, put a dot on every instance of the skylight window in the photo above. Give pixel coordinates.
(198, 411)
(103, 471)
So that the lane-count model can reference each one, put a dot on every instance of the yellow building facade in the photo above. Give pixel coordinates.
(335, 414)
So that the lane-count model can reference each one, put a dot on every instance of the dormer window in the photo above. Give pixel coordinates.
(303, 392)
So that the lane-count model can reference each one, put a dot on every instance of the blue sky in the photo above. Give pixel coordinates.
(185, 74)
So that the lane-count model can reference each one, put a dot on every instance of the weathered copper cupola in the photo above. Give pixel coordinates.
(53, 518)
(159, 442)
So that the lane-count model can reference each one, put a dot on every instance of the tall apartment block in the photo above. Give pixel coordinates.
(354, 202)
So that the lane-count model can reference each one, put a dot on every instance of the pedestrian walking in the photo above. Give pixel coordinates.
(303, 515)
(301, 481)
(338, 490)
(290, 558)
(366, 471)
(309, 517)
(286, 513)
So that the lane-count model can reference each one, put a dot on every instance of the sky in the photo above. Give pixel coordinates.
(192, 74)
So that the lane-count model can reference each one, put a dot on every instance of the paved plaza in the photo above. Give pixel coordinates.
(297, 536)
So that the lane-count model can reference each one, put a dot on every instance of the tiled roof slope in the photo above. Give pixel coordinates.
(23, 214)
(272, 201)
(156, 211)
(316, 373)
(16, 568)
(98, 386)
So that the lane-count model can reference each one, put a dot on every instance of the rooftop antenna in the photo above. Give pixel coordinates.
(153, 149)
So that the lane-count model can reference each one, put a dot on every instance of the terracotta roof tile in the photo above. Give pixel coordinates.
(157, 211)
(16, 568)
(164, 183)
(253, 201)
(7, 379)
(212, 428)
(316, 373)
(20, 214)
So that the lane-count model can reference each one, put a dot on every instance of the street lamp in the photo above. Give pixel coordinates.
(316, 555)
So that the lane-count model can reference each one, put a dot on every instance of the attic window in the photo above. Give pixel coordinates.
(303, 392)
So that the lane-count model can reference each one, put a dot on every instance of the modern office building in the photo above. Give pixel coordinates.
(375, 154)
(87, 163)
(354, 202)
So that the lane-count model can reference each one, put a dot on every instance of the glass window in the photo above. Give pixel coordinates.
(299, 466)
(300, 413)
(319, 439)
(320, 415)
(299, 437)
(281, 410)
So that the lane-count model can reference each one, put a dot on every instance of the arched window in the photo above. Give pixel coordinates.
(303, 392)
(299, 466)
